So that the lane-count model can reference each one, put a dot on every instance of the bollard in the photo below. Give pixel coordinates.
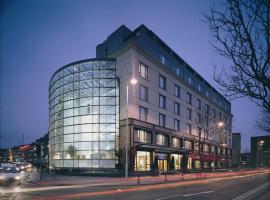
(165, 173)
(138, 179)
(182, 176)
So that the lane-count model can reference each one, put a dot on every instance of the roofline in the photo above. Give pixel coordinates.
(142, 26)
(78, 62)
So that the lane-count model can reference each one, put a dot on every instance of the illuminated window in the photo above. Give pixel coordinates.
(143, 70)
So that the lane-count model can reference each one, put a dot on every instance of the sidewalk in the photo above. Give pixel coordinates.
(66, 180)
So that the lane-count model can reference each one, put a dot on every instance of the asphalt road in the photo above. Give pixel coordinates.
(218, 189)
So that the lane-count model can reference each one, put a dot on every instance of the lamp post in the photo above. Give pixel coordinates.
(133, 81)
(220, 124)
(258, 145)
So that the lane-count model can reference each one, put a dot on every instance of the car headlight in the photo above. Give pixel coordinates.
(22, 167)
(17, 177)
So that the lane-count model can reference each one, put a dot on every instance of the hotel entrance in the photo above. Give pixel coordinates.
(162, 166)
(162, 162)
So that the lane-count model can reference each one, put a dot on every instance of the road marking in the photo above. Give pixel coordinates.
(206, 192)
(251, 192)
(185, 195)
(168, 197)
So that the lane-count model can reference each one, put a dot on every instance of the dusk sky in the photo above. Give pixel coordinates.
(38, 37)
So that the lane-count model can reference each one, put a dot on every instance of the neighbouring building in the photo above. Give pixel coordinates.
(35, 152)
(245, 160)
(138, 88)
(236, 149)
(260, 151)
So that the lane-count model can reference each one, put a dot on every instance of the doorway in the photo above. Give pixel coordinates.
(162, 166)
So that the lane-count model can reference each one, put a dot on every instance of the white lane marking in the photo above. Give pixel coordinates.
(206, 192)
(251, 192)
(168, 197)
(185, 195)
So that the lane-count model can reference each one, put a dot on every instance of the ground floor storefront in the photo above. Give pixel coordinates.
(157, 161)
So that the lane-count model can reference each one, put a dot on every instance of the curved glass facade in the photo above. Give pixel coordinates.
(84, 115)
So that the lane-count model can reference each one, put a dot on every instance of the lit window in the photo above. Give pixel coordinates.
(162, 119)
(143, 93)
(206, 148)
(143, 70)
(141, 135)
(176, 108)
(143, 113)
(199, 88)
(189, 80)
(176, 125)
(160, 139)
(162, 82)
(163, 60)
(175, 142)
(162, 101)
(188, 144)
(189, 98)
(177, 71)
(177, 91)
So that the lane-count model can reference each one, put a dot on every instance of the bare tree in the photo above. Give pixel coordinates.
(205, 130)
(263, 123)
(242, 34)
(208, 128)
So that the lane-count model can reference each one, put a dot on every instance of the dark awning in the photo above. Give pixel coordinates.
(160, 149)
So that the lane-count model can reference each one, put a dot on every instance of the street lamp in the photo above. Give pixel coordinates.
(133, 81)
(260, 143)
(220, 124)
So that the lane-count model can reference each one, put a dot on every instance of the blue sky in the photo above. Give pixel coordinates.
(38, 37)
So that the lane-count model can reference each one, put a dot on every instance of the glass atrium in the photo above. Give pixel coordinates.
(84, 115)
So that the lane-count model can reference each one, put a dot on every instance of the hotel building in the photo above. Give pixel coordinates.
(138, 88)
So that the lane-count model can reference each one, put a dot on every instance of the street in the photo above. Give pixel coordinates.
(219, 187)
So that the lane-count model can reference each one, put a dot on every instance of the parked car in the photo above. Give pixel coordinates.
(9, 174)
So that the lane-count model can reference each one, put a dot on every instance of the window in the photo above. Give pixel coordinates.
(220, 116)
(143, 93)
(142, 161)
(141, 135)
(199, 104)
(199, 118)
(214, 113)
(143, 113)
(188, 129)
(143, 71)
(188, 144)
(199, 88)
(189, 80)
(175, 142)
(213, 149)
(177, 91)
(162, 101)
(177, 71)
(176, 125)
(206, 148)
(176, 108)
(207, 108)
(162, 58)
(162, 82)
(162, 119)
(189, 113)
(160, 139)
(189, 98)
